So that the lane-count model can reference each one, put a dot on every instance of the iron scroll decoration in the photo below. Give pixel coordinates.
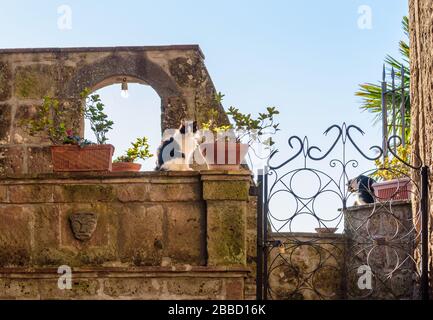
(397, 242)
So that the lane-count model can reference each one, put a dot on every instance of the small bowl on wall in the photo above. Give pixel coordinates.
(326, 230)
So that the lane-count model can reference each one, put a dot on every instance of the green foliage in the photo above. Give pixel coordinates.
(94, 112)
(244, 124)
(393, 168)
(371, 93)
(49, 118)
(139, 150)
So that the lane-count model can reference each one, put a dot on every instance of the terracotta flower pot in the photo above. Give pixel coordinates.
(396, 189)
(97, 157)
(225, 155)
(126, 167)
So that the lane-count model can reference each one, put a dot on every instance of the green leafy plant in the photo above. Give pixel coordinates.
(139, 150)
(371, 93)
(243, 125)
(94, 112)
(391, 167)
(75, 139)
(49, 118)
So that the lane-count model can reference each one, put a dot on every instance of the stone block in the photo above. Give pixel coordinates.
(15, 235)
(20, 133)
(174, 192)
(46, 227)
(252, 214)
(5, 123)
(5, 81)
(30, 193)
(81, 289)
(135, 288)
(84, 193)
(195, 288)
(234, 289)
(225, 190)
(226, 232)
(39, 160)
(16, 288)
(35, 81)
(141, 237)
(3, 193)
(188, 71)
(251, 246)
(184, 232)
(12, 160)
(133, 192)
(100, 248)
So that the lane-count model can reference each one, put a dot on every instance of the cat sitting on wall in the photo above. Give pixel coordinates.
(177, 148)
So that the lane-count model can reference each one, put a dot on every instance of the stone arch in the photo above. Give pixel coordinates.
(177, 73)
(137, 69)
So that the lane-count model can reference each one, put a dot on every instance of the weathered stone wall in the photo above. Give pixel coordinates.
(383, 236)
(310, 268)
(325, 266)
(176, 73)
(421, 95)
(169, 235)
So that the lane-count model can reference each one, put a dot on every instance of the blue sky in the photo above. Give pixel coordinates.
(306, 57)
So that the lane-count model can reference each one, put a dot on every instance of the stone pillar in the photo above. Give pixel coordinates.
(226, 196)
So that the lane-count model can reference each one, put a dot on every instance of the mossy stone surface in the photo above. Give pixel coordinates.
(5, 81)
(84, 193)
(35, 81)
(226, 190)
(226, 232)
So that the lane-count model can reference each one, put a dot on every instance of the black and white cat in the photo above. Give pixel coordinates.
(177, 149)
(362, 187)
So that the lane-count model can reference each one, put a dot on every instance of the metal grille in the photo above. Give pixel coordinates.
(387, 238)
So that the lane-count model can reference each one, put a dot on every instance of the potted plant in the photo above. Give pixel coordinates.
(235, 139)
(69, 151)
(393, 178)
(138, 150)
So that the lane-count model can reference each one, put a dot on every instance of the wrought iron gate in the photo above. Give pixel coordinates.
(381, 251)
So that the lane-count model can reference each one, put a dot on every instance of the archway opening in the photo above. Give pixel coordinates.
(136, 116)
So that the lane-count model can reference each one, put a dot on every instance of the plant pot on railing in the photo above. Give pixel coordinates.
(396, 189)
(224, 155)
(95, 157)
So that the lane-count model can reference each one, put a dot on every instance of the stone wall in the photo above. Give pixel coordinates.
(176, 235)
(176, 73)
(383, 236)
(310, 268)
(325, 266)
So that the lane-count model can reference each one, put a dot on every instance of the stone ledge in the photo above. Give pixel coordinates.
(378, 205)
(183, 47)
(218, 175)
(313, 235)
(99, 175)
(181, 271)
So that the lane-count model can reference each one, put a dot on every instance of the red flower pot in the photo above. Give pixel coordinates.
(396, 189)
(96, 157)
(224, 155)
(126, 167)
